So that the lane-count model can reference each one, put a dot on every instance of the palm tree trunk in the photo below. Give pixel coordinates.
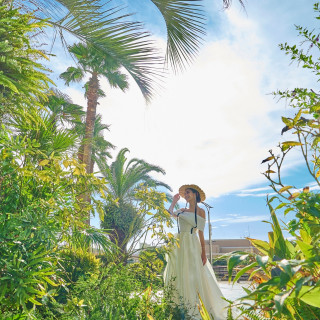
(91, 165)
(90, 120)
(85, 149)
(118, 237)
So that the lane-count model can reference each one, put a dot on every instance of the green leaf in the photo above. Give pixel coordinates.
(291, 249)
(5, 81)
(261, 245)
(310, 296)
(288, 210)
(306, 249)
(280, 299)
(278, 240)
(35, 302)
(234, 260)
(50, 281)
(244, 270)
(262, 261)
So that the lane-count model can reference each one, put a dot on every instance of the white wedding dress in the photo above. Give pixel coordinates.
(186, 272)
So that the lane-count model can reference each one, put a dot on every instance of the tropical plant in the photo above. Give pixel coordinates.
(40, 213)
(287, 272)
(149, 269)
(23, 81)
(126, 213)
(118, 293)
(112, 32)
(100, 146)
(63, 112)
(91, 61)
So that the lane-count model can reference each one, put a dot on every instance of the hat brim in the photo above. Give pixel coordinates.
(183, 188)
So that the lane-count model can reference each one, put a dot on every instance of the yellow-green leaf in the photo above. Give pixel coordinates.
(50, 281)
(297, 117)
(294, 195)
(291, 143)
(310, 297)
(66, 163)
(287, 122)
(170, 235)
(270, 171)
(35, 302)
(76, 172)
(43, 162)
(267, 159)
(285, 189)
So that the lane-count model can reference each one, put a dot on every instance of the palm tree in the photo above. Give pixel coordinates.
(100, 146)
(62, 110)
(124, 179)
(90, 61)
(112, 32)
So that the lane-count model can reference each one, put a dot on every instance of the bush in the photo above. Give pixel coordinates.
(149, 269)
(116, 293)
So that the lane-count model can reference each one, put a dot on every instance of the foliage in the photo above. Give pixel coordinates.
(78, 263)
(91, 60)
(114, 33)
(287, 273)
(22, 79)
(40, 211)
(149, 269)
(113, 293)
(97, 64)
(133, 209)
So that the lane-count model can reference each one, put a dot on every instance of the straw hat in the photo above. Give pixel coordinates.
(183, 188)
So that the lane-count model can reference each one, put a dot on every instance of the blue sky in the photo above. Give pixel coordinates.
(213, 124)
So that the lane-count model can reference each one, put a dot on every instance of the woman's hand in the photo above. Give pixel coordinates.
(203, 257)
(176, 198)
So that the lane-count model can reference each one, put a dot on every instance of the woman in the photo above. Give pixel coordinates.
(187, 266)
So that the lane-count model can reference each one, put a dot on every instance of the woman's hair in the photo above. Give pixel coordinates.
(198, 199)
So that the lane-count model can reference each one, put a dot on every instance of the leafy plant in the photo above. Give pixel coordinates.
(134, 207)
(40, 212)
(286, 273)
(23, 80)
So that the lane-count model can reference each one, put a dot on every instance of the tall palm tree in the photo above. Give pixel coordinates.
(124, 179)
(97, 65)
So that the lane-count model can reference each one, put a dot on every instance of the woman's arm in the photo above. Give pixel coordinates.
(203, 248)
(176, 198)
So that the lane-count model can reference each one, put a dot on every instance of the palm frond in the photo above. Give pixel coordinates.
(117, 79)
(72, 75)
(93, 238)
(227, 4)
(185, 24)
(109, 31)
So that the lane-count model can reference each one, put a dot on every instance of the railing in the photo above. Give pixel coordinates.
(221, 273)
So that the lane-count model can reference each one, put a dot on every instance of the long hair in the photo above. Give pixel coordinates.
(198, 199)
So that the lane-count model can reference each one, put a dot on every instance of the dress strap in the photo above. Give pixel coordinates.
(178, 221)
(195, 218)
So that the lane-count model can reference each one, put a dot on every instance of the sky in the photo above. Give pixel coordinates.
(213, 124)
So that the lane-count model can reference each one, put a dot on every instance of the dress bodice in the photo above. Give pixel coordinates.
(187, 221)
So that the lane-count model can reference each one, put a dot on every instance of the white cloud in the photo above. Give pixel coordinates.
(210, 125)
(255, 194)
(241, 219)
(255, 189)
